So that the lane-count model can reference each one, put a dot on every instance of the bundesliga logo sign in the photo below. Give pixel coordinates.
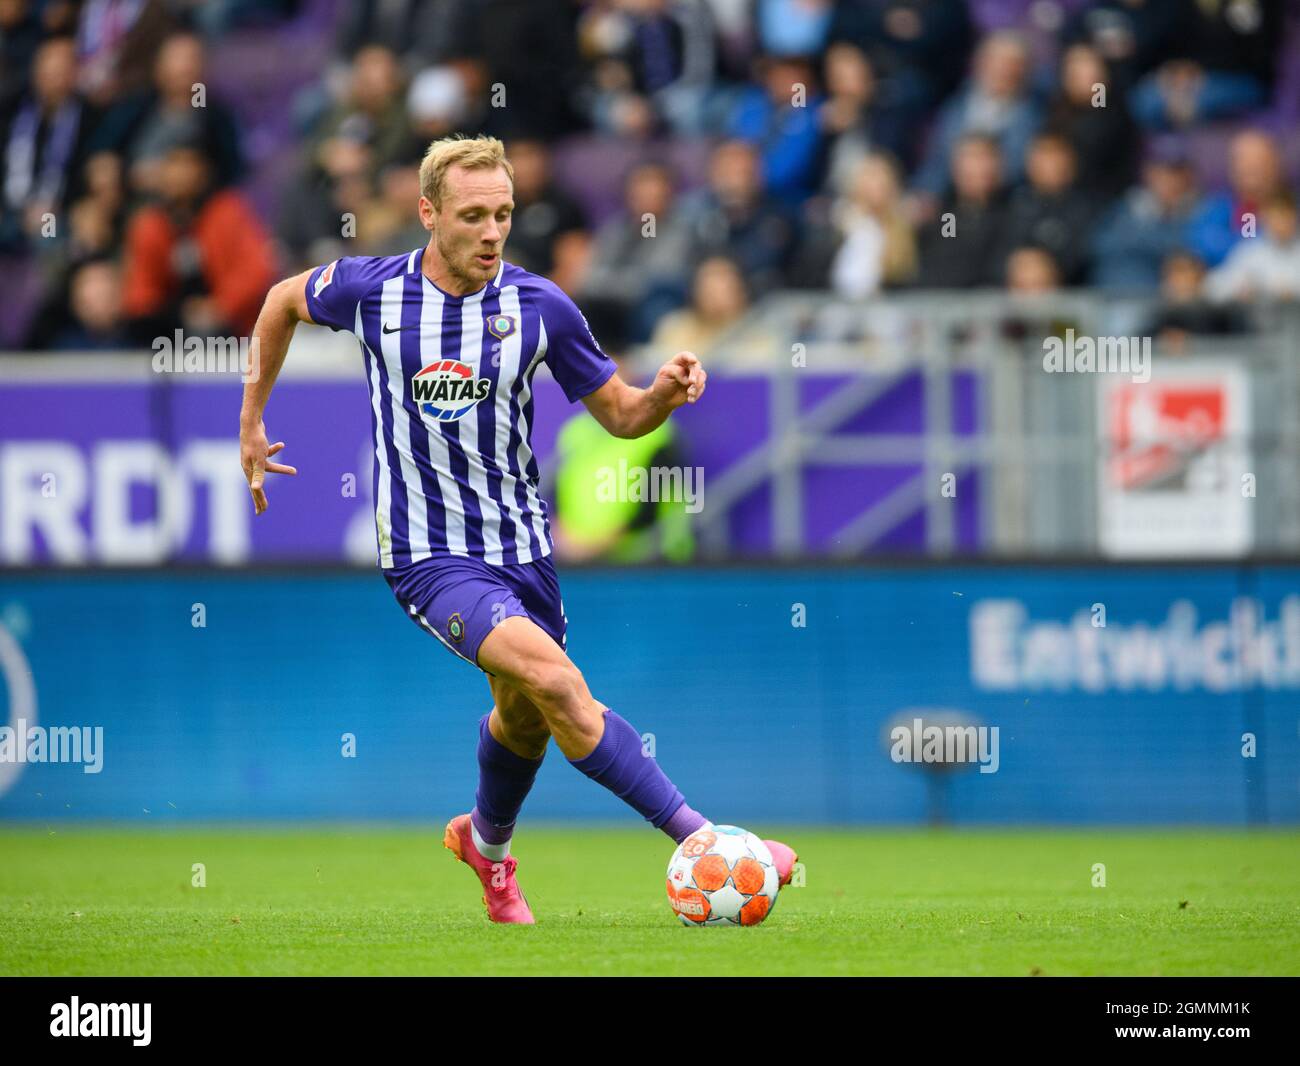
(448, 390)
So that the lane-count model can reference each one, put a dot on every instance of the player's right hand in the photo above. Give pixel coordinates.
(254, 453)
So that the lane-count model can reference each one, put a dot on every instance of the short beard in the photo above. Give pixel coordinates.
(466, 281)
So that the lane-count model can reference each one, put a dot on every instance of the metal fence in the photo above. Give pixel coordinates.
(1036, 447)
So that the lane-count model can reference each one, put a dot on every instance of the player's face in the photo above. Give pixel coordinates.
(471, 228)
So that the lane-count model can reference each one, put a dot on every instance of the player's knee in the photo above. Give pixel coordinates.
(556, 688)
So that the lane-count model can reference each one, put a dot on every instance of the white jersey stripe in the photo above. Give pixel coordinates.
(382, 490)
(511, 356)
(439, 454)
(471, 353)
(417, 519)
(525, 452)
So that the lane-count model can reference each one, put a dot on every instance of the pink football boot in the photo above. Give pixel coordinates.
(785, 858)
(501, 895)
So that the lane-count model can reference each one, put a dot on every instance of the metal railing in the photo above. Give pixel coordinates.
(1036, 447)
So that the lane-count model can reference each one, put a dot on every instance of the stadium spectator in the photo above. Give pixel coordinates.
(421, 32)
(43, 147)
(21, 32)
(736, 34)
(94, 224)
(543, 211)
(734, 216)
(1255, 175)
(779, 117)
(852, 121)
(386, 224)
(571, 262)
(866, 243)
(117, 41)
(718, 301)
(918, 49)
(437, 104)
(1097, 122)
(995, 103)
(146, 125)
(317, 220)
(964, 247)
(1032, 270)
(797, 192)
(528, 48)
(95, 305)
(198, 259)
(92, 237)
(1223, 63)
(793, 27)
(1133, 36)
(371, 113)
(1266, 266)
(1185, 311)
(1142, 230)
(641, 257)
(654, 68)
(1050, 211)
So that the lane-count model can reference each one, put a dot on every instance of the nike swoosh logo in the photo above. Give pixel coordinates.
(395, 329)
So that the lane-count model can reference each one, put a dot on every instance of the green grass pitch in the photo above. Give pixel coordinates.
(384, 900)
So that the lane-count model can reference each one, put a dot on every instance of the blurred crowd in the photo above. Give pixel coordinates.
(858, 146)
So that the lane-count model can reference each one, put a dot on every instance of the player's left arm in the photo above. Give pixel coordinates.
(627, 411)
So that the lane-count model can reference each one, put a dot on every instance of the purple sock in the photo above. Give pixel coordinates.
(683, 823)
(619, 764)
(504, 779)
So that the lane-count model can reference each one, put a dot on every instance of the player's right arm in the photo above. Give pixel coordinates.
(284, 307)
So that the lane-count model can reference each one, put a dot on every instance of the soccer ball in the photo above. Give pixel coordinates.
(722, 875)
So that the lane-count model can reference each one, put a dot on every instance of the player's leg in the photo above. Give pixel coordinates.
(516, 722)
(592, 737)
(512, 742)
(458, 600)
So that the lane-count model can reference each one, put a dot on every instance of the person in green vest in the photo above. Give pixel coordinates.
(623, 501)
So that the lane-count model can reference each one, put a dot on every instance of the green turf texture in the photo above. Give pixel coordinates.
(384, 900)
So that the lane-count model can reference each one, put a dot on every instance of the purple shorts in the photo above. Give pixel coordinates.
(460, 600)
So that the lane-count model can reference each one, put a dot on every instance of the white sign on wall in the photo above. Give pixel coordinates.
(1175, 476)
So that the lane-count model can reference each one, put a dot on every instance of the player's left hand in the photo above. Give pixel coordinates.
(255, 453)
(680, 380)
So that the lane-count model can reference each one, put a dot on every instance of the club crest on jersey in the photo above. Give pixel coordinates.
(448, 389)
(456, 628)
(501, 326)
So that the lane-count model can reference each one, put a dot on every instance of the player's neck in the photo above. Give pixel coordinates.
(434, 267)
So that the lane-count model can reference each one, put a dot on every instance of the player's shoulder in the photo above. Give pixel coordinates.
(355, 274)
(549, 300)
(540, 289)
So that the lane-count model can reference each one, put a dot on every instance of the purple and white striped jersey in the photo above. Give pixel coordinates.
(451, 400)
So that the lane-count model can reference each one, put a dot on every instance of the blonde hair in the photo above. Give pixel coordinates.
(473, 153)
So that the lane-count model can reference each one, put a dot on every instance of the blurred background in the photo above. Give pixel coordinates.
(871, 218)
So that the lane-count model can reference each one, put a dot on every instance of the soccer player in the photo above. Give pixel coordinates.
(451, 336)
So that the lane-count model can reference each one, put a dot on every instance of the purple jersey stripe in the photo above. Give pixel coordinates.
(375, 426)
(412, 364)
(531, 335)
(453, 315)
(490, 367)
(370, 335)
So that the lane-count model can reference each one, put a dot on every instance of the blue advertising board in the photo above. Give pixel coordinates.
(767, 694)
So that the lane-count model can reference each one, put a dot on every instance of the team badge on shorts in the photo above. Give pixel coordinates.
(501, 326)
(456, 628)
